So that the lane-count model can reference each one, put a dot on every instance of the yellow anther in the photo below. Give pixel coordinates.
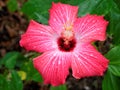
(68, 26)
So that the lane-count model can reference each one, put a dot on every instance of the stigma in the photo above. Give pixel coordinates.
(67, 33)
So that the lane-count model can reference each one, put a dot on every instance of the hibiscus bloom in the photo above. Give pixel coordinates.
(66, 44)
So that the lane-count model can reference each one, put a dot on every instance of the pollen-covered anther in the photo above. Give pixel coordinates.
(67, 35)
(68, 26)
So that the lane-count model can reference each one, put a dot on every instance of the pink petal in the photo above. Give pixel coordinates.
(87, 61)
(90, 28)
(53, 66)
(62, 15)
(39, 38)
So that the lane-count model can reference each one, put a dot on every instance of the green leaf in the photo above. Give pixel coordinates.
(115, 69)
(12, 83)
(32, 73)
(12, 5)
(115, 18)
(37, 77)
(73, 2)
(88, 6)
(11, 58)
(114, 23)
(118, 3)
(16, 81)
(114, 56)
(102, 7)
(38, 9)
(110, 82)
(3, 83)
(62, 87)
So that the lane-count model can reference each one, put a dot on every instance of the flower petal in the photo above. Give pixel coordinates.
(62, 15)
(90, 28)
(39, 37)
(53, 66)
(87, 61)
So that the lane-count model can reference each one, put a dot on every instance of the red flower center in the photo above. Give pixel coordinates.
(66, 45)
(67, 41)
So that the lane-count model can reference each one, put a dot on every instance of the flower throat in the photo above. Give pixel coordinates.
(67, 41)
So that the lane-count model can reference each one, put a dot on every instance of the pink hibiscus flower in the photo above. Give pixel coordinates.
(66, 44)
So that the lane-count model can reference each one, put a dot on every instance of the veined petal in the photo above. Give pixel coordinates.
(90, 28)
(87, 61)
(53, 66)
(62, 16)
(39, 38)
